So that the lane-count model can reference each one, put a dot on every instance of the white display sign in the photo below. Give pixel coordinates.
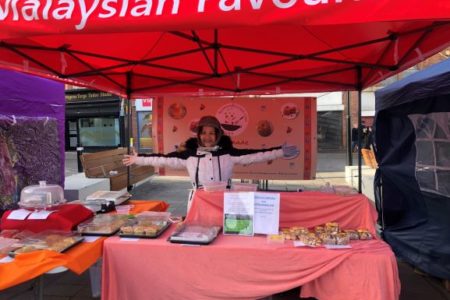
(267, 213)
(238, 211)
(248, 213)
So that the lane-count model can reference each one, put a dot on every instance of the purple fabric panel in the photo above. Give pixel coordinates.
(26, 95)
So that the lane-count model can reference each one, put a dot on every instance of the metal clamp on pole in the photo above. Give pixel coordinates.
(79, 152)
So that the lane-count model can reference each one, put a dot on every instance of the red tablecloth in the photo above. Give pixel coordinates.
(77, 259)
(66, 218)
(236, 267)
(307, 209)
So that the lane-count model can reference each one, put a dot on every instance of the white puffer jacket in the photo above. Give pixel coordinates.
(210, 166)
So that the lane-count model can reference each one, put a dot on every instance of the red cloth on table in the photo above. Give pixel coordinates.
(238, 267)
(78, 259)
(307, 209)
(246, 268)
(66, 218)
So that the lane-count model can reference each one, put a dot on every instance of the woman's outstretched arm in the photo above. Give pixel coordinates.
(174, 160)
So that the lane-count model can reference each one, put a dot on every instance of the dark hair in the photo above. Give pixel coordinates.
(210, 121)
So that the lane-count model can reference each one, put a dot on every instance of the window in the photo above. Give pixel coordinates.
(99, 132)
(433, 152)
(329, 131)
(144, 125)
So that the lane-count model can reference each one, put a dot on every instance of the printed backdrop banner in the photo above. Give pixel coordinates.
(251, 123)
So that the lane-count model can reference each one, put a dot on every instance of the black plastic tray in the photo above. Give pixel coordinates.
(99, 233)
(144, 236)
(192, 242)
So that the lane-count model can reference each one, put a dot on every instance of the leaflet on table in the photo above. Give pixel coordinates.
(267, 213)
(39, 215)
(23, 214)
(238, 211)
(19, 214)
(247, 213)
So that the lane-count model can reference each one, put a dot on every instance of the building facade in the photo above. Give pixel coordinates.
(94, 120)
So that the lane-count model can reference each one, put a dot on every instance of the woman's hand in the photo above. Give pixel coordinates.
(290, 151)
(128, 160)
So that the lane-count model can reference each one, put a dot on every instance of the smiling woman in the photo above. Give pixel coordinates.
(210, 156)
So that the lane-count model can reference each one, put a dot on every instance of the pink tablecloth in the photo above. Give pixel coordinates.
(306, 209)
(235, 267)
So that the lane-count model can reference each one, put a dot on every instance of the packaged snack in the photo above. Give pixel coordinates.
(286, 232)
(275, 238)
(58, 241)
(328, 238)
(298, 230)
(319, 229)
(102, 225)
(364, 234)
(332, 227)
(311, 240)
(144, 226)
(342, 238)
(353, 235)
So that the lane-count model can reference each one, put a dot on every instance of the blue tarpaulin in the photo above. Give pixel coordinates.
(412, 135)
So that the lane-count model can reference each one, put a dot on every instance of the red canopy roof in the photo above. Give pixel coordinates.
(141, 48)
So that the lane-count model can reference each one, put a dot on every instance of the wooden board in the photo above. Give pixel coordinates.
(100, 164)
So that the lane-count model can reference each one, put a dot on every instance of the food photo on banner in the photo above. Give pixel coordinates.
(265, 123)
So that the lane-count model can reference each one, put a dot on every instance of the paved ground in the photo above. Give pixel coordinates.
(174, 190)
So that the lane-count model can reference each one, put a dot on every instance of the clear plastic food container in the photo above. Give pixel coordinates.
(153, 216)
(344, 190)
(7, 245)
(42, 196)
(124, 209)
(103, 225)
(215, 186)
(58, 241)
(143, 228)
(244, 187)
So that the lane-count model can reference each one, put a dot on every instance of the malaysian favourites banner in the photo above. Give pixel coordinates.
(251, 123)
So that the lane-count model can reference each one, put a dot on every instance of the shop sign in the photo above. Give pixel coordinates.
(88, 95)
(144, 104)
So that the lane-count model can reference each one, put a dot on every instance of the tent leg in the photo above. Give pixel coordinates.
(129, 129)
(359, 74)
(349, 132)
(38, 289)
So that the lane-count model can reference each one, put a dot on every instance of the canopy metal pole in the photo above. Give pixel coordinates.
(359, 73)
(349, 132)
(129, 129)
(79, 148)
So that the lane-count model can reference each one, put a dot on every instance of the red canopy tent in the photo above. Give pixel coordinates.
(143, 48)
(140, 48)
